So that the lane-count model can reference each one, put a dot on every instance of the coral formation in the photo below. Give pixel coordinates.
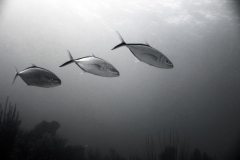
(43, 143)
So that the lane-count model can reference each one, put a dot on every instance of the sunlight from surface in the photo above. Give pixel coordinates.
(199, 96)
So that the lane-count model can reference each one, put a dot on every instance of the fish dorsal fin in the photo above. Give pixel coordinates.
(93, 55)
(147, 43)
(33, 65)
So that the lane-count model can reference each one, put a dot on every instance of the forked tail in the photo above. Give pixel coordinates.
(71, 61)
(68, 62)
(15, 75)
(122, 42)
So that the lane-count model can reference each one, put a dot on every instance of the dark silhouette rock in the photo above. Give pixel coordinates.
(47, 127)
(44, 128)
(94, 155)
(196, 155)
(76, 152)
(114, 155)
(206, 157)
(41, 142)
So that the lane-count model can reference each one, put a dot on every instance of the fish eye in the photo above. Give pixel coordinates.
(168, 61)
(111, 69)
(50, 78)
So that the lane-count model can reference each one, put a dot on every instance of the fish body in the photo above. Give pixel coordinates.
(39, 77)
(147, 54)
(94, 65)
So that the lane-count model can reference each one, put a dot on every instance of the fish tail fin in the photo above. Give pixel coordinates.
(122, 42)
(15, 75)
(70, 56)
(68, 62)
(71, 61)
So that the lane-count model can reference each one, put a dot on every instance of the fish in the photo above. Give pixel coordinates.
(39, 77)
(94, 65)
(146, 54)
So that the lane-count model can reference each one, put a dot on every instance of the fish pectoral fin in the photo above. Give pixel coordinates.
(159, 58)
(152, 56)
(99, 66)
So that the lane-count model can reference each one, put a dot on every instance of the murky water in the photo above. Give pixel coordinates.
(196, 103)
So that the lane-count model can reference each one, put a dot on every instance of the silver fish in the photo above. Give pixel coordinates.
(40, 77)
(94, 65)
(147, 54)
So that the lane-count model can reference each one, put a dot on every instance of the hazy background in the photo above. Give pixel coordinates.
(200, 96)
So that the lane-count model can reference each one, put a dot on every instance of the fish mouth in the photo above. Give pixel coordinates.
(57, 82)
(115, 73)
(170, 67)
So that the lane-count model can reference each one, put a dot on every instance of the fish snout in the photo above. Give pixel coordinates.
(114, 71)
(57, 82)
(117, 73)
(168, 64)
(171, 66)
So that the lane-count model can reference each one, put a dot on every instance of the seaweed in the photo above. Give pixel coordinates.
(172, 148)
(9, 129)
(151, 149)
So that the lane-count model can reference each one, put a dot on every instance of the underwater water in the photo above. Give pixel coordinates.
(189, 111)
